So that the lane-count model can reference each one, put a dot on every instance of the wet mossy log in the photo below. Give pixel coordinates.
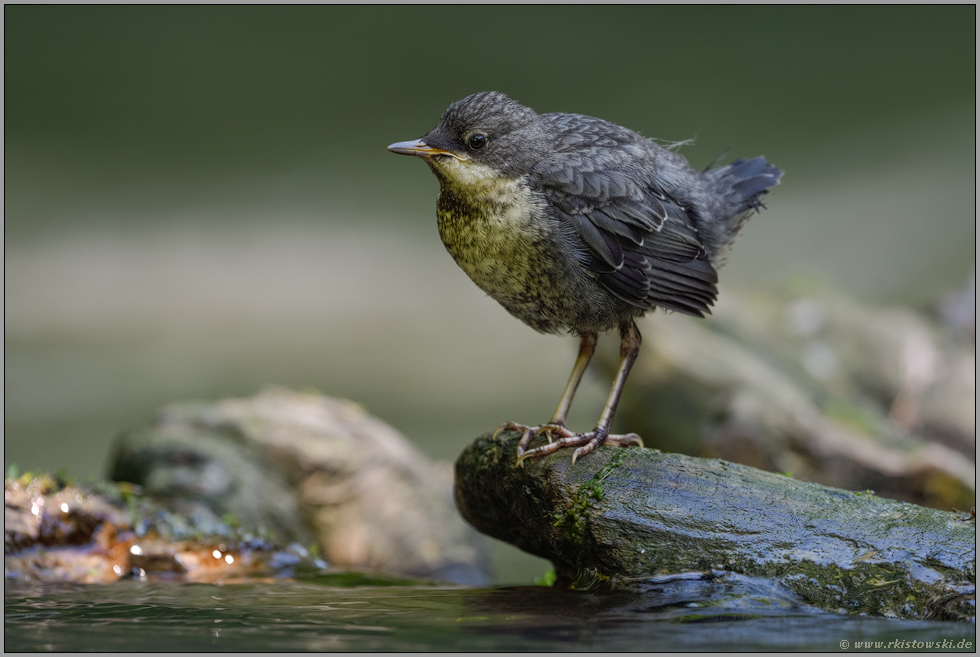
(620, 516)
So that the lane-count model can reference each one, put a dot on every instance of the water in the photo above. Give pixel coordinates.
(321, 615)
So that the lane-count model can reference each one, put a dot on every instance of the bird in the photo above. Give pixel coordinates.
(576, 225)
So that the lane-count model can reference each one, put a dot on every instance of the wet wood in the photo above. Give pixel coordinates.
(622, 516)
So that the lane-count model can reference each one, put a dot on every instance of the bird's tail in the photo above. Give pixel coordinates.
(741, 184)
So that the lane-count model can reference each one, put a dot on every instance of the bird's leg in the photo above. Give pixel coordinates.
(586, 442)
(556, 426)
(629, 348)
(585, 351)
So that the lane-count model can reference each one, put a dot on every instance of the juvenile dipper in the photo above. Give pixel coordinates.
(576, 224)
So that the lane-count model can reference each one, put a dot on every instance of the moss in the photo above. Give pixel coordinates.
(864, 588)
(574, 519)
(548, 579)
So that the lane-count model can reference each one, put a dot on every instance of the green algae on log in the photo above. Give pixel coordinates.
(623, 516)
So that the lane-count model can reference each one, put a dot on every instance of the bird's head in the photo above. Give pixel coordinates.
(482, 137)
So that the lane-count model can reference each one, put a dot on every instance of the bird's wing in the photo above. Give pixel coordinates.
(641, 243)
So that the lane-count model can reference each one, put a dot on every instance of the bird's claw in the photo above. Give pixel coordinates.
(584, 442)
(508, 426)
(551, 430)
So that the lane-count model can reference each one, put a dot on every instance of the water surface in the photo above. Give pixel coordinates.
(307, 616)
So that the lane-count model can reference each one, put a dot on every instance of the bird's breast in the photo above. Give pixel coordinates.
(492, 235)
(500, 236)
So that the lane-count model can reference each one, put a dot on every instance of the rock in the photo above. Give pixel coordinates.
(102, 533)
(817, 385)
(624, 517)
(308, 468)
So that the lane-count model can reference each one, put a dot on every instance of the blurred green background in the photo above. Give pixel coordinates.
(198, 200)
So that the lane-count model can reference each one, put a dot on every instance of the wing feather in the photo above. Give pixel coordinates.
(643, 244)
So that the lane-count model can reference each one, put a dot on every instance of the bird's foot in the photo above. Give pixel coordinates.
(583, 442)
(550, 431)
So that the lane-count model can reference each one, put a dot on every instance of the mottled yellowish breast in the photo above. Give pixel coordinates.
(495, 233)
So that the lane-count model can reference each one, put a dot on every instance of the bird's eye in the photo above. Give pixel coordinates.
(477, 141)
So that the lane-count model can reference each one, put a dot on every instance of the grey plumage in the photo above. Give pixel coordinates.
(631, 224)
(576, 224)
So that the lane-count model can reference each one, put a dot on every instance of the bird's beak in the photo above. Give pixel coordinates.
(419, 148)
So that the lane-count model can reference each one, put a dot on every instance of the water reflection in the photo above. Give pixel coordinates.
(675, 614)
